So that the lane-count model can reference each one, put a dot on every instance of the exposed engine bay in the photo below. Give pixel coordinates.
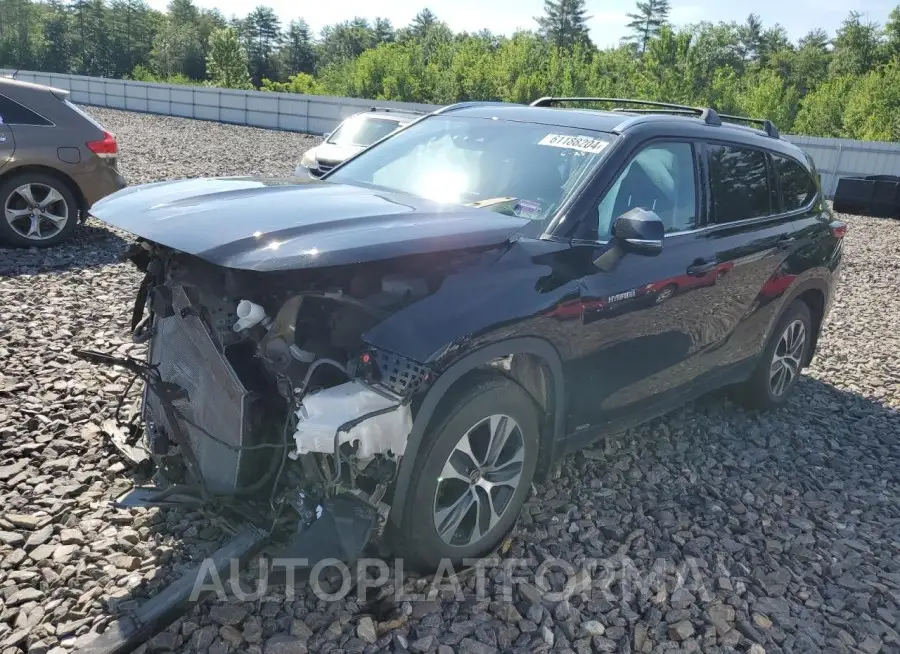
(259, 388)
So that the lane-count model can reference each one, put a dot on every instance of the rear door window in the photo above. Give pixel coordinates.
(797, 186)
(739, 182)
(13, 113)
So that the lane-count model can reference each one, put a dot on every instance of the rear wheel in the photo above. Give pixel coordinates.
(781, 363)
(473, 473)
(38, 210)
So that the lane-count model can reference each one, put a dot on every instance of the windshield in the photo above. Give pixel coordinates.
(362, 131)
(522, 169)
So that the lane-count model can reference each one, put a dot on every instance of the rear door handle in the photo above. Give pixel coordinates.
(701, 267)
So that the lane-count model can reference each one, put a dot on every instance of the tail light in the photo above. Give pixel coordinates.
(838, 229)
(106, 148)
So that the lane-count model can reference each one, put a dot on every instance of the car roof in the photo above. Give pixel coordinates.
(621, 122)
(9, 85)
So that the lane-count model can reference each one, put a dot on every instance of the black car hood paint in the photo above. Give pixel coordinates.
(282, 224)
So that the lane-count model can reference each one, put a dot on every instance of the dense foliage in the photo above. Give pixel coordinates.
(845, 85)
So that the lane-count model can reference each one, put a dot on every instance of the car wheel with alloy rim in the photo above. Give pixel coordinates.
(38, 210)
(778, 368)
(472, 475)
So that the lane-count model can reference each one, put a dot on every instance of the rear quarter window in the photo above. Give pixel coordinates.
(798, 188)
(13, 113)
(739, 183)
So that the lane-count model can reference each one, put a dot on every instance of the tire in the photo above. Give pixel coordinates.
(764, 390)
(54, 222)
(470, 416)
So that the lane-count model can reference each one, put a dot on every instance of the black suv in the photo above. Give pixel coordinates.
(431, 325)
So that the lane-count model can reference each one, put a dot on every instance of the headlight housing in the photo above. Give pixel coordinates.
(308, 160)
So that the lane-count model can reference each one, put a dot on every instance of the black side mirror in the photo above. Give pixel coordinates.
(640, 231)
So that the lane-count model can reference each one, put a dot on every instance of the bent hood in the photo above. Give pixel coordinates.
(282, 224)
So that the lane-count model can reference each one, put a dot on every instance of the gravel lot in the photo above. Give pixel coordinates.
(784, 526)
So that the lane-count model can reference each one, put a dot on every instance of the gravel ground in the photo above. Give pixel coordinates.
(784, 527)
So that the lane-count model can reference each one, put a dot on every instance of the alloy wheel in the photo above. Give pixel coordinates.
(478, 481)
(36, 211)
(786, 361)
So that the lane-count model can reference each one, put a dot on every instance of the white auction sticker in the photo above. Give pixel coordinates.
(569, 142)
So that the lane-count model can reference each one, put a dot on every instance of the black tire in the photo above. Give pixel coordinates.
(757, 392)
(417, 540)
(9, 197)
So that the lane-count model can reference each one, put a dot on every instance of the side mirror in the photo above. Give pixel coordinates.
(640, 231)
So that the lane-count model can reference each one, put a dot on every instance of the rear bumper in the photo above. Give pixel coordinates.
(103, 180)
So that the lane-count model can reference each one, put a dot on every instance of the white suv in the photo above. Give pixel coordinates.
(354, 134)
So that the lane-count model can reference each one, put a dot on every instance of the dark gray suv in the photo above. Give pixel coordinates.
(55, 162)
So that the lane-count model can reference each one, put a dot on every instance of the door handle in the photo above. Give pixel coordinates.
(701, 267)
(786, 243)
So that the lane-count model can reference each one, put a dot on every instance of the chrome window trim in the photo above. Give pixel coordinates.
(707, 228)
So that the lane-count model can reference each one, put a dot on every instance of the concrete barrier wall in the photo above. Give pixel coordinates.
(311, 114)
(316, 114)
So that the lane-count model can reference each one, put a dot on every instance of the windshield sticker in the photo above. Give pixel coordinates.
(527, 209)
(568, 142)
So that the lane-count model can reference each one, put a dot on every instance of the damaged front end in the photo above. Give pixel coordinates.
(261, 396)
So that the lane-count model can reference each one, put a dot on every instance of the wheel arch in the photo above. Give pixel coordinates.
(536, 366)
(815, 293)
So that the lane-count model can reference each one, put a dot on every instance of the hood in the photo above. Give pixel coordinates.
(329, 153)
(283, 224)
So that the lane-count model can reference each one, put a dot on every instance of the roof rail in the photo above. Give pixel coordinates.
(465, 104)
(767, 125)
(706, 114)
(398, 110)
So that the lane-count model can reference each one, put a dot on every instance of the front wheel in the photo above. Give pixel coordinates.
(781, 363)
(473, 474)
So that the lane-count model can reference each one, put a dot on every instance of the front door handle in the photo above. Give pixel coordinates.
(701, 267)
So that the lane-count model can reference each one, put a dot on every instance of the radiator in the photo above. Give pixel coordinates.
(217, 402)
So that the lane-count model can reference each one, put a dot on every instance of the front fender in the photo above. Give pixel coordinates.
(524, 345)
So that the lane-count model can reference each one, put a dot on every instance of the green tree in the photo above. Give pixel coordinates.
(298, 53)
(347, 40)
(892, 33)
(303, 83)
(856, 47)
(422, 22)
(262, 35)
(873, 106)
(821, 112)
(226, 63)
(751, 37)
(564, 23)
(383, 31)
(766, 95)
(177, 51)
(646, 22)
(57, 53)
